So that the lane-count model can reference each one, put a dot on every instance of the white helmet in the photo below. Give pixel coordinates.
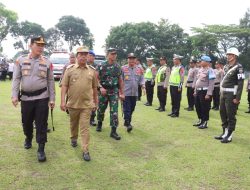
(233, 51)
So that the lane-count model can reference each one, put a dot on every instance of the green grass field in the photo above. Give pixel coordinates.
(160, 153)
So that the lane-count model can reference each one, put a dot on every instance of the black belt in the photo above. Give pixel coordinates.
(216, 83)
(109, 87)
(34, 93)
(189, 81)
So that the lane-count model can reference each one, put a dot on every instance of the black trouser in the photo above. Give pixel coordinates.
(129, 104)
(35, 110)
(139, 92)
(162, 96)
(149, 91)
(248, 98)
(202, 105)
(216, 97)
(176, 99)
(92, 116)
(228, 110)
(190, 97)
(10, 75)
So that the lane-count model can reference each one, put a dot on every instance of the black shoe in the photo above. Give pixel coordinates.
(216, 108)
(248, 111)
(171, 114)
(174, 115)
(113, 134)
(161, 110)
(41, 156)
(219, 137)
(93, 123)
(203, 125)
(86, 156)
(148, 104)
(73, 143)
(198, 123)
(48, 130)
(213, 108)
(27, 143)
(99, 126)
(158, 108)
(190, 109)
(129, 128)
(226, 140)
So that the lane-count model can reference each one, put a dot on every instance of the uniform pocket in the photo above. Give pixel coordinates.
(26, 70)
(43, 70)
(74, 78)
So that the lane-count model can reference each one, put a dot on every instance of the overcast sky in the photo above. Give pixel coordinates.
(100, 15)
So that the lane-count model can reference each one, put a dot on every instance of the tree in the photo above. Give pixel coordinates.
(53, 39)
(75, 32)
(8, 18)
(24, 31)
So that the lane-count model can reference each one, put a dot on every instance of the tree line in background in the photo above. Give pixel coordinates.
(144, 39)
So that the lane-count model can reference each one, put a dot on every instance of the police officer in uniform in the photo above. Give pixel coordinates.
(231, 90)
(192, 72)
(248, 94)
(216, 93)
(176, 81)
(149, 76)
(80, 84)
(91, 61)
(34, 74)
(162, 78)
(132, 76)
(204, 86)
(110, 89)
(138, 63)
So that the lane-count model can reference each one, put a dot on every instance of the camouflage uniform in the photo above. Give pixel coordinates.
(109, 75)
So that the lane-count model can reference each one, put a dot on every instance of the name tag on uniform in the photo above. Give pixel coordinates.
(126, 77)
(241, 76)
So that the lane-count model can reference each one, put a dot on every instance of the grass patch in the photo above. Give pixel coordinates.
(160, 153)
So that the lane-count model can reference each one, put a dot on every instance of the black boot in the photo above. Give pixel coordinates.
(113, 134)
(228, 138)
(198, 123)
(28, 143)
(128, 125)
(162, 109)
(92, 120)
(248, 110)
(99, 126)
(158, 108)
(203, 125)
(220, 137)
(40, 152)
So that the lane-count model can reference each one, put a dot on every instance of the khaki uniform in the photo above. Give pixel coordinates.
(80, 82)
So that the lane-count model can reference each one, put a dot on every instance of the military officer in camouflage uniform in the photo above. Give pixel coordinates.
(204, 86)
(231, 90)
(162, 78)
(90, 61)
(33, 73)
(110, 89)
(132, 76)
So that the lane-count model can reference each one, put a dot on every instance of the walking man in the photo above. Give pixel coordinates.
(110, 89)
(33, 77)
(80, 85)
(132, 76)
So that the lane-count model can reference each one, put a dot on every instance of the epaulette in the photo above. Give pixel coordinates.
(92, 67)
(70, 66)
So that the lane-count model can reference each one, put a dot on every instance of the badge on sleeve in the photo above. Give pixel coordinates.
(241, 76)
